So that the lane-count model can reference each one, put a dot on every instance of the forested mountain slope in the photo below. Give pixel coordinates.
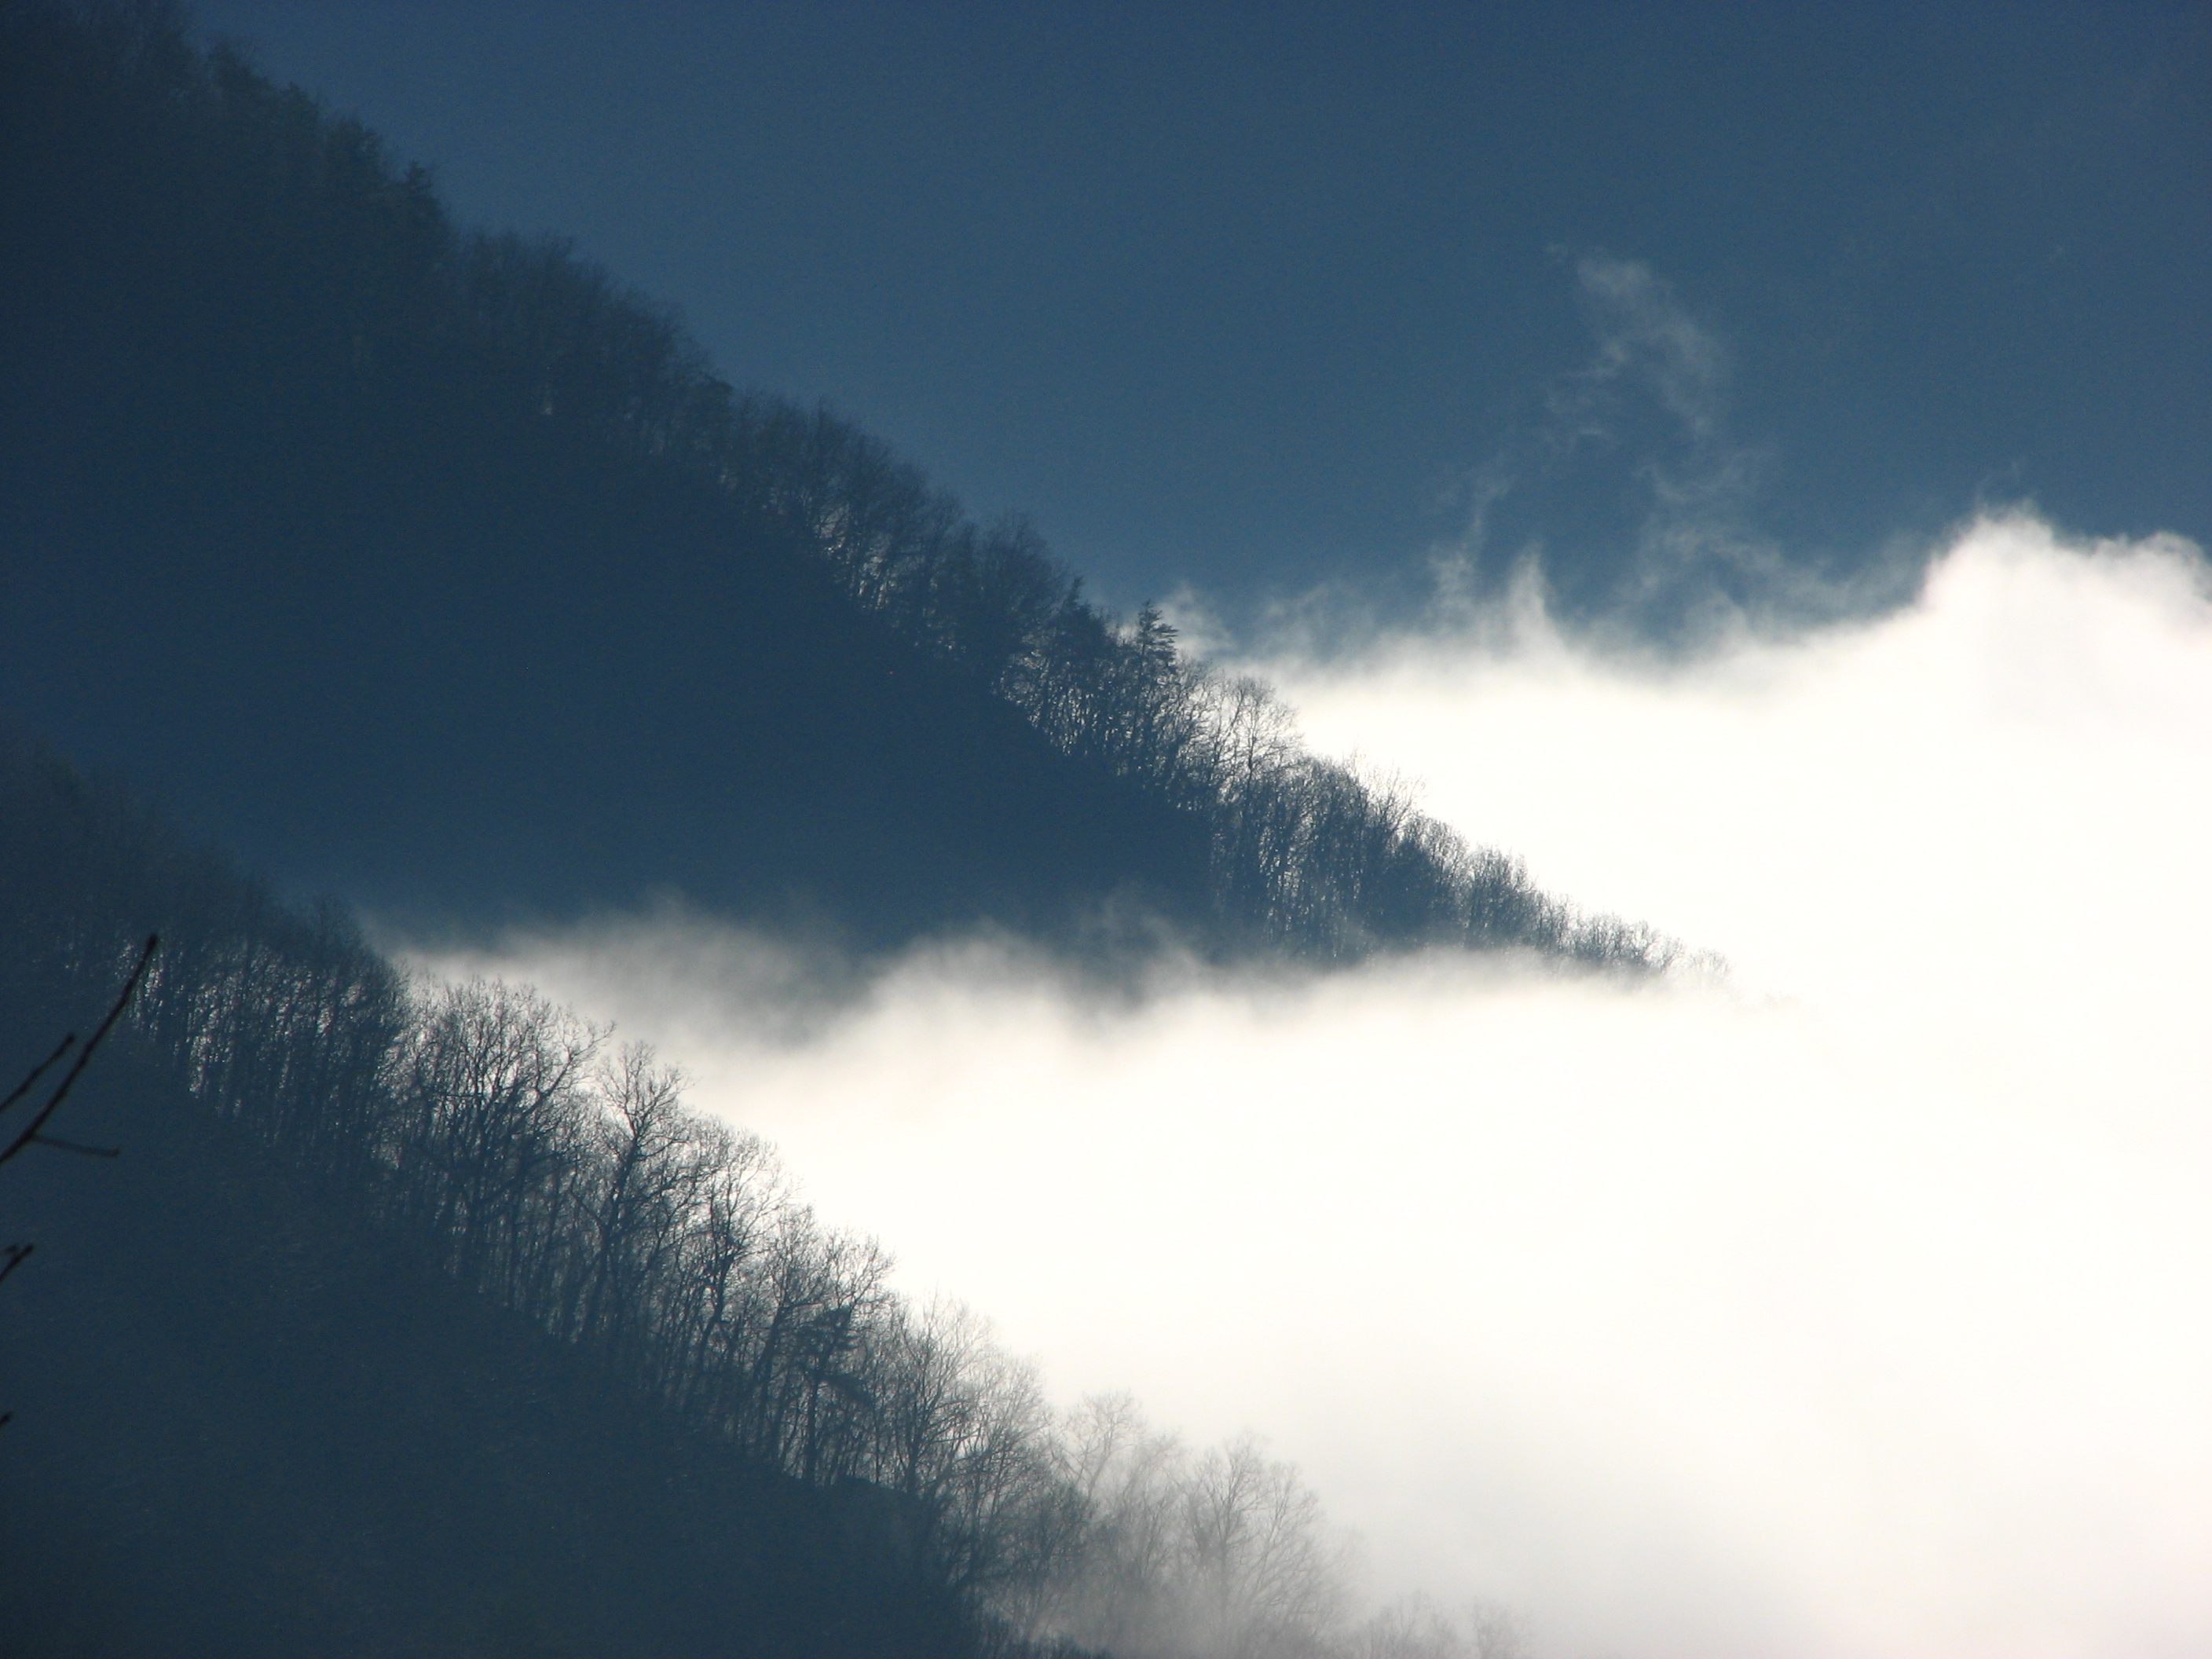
(248, 1422)
(273, 1394)
(389, 1317)
(437, 567)
(290, 535)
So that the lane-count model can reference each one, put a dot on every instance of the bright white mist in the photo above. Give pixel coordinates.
(1861, 1304)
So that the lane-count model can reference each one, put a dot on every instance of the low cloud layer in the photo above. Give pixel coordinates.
(1858, 1304)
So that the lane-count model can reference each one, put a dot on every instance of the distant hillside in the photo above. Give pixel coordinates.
(439, 569)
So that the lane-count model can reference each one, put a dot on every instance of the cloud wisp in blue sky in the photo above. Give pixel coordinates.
(1225, 295)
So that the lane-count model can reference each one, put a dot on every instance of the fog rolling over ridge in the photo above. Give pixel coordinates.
(1847, 1299)
(1855, 1302)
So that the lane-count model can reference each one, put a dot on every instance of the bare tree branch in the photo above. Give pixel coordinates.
(61, 1091)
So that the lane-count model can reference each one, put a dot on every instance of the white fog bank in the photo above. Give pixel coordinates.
(1859, 1305)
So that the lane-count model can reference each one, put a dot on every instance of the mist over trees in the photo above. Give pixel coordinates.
(440, 566)
(461, 552)
(329, 1165)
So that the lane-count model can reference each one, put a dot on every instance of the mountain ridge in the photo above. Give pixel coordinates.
(441, 568)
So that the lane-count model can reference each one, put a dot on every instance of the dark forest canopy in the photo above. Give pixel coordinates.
(439, 568)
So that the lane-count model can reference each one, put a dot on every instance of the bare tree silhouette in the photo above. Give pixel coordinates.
(32, 1133)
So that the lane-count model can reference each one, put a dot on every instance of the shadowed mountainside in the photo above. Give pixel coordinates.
(248, 1421)
(438, 568)
(286, 540)
(265, 1403)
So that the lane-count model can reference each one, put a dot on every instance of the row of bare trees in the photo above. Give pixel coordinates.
(1304, 854)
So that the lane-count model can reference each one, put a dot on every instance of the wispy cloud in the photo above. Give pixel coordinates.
(1629, 498)
(1623, 500)
(1644, 336)
(1645, 417)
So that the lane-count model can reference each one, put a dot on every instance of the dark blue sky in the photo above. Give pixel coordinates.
(1250, 297)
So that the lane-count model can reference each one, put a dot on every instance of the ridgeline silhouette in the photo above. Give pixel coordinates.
(439, 569)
